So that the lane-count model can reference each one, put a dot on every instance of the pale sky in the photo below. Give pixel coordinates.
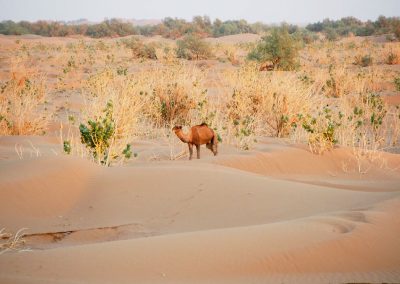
(267, 11)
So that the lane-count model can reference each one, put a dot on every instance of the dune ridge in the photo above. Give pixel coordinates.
(233, 219)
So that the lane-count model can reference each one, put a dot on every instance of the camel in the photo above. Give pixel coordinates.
(198, 135)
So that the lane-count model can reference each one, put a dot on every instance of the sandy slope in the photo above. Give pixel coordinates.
(277, 214)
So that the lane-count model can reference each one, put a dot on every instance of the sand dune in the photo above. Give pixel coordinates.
(338, 168)
(308, 250)
(262, 217)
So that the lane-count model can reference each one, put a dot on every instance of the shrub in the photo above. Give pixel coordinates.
(127, 151)
(109, 28)
(366, 119)
(321, 129)
(67, 147)
(191, 47)
(176, 97)
(97, 135)
(260, 106)
(173, 104)
(242, 112)
(110, 116)
(341, 81)
(392, 58)
(331, 34)
(364, 61)
(139, 49)
(21, 100)
(390, 37)
(397, 83)
(122, 71)
(279, 47)
(377, 112)
(231, 27)
(365, 31)
(337, 84)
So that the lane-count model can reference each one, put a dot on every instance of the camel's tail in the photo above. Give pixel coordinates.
(214, 142)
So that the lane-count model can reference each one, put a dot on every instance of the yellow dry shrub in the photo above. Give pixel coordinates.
(339, 81)
(391, 53)
(22, 98)
(265, 103)
(175, 95)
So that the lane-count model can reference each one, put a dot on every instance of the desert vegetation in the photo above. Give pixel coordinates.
(280, 48)
(320, 92)
(22, 97)
(193, 48)
(203, 27)
(12, 242)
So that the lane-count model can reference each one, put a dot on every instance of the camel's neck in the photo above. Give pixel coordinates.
(182, 136)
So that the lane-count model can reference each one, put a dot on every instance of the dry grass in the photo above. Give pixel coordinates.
(262, 103)
(237, 100)
(12, 242)
(175, 95)
(22, 98)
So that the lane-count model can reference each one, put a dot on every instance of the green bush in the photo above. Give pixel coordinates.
(220, 28)
(97, 135)
(127, 152)
(279, 47)
(331, 34)
(67, 147)
(368, 115)
(321, 129)
(110, 28)
(192, 47)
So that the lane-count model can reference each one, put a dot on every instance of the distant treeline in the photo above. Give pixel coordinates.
(201, 26)
(345, 26)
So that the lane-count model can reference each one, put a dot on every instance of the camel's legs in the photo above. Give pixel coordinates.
(198, 151)
(212, 147)
(190, 151)
(215, 149)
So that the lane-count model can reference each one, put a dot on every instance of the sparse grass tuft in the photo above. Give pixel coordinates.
(10, 242)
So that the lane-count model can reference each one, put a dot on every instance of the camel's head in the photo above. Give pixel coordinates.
(177, 128)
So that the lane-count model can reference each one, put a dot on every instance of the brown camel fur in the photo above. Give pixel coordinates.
(198, 135)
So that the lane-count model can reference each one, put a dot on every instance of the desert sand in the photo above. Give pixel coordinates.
(274, 214)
